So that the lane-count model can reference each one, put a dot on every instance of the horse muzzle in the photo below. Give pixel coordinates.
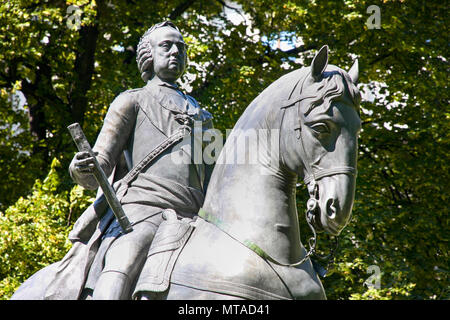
(331, 201)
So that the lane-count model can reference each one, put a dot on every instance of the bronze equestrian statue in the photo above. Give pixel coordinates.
(245, 241)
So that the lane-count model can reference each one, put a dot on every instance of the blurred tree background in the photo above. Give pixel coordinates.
(64, 61)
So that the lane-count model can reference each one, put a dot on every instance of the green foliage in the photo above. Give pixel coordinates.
(400, 216)
(34, 230)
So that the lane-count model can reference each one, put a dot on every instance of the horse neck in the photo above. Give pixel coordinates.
(256, 201)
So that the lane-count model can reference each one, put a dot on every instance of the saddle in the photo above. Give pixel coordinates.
(166, 246)
(170, 240)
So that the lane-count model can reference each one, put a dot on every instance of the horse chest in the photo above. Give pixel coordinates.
(214, 261)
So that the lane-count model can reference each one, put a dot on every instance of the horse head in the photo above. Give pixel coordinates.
(327, 102)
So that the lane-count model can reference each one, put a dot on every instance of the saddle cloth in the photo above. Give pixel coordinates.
(166, 246)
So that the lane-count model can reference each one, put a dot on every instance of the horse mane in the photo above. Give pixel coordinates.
(335, 85)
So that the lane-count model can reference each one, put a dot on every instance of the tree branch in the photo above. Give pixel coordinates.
(382, 57)
(182, 7)
(232, 8)
(301, 49)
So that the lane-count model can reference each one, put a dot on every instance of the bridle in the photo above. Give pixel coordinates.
(312, 205)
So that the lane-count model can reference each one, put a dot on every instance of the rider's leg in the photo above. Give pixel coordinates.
(123, 261)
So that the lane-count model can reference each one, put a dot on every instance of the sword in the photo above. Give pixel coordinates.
(83, 145)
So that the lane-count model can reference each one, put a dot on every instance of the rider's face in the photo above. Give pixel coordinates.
(169, 53)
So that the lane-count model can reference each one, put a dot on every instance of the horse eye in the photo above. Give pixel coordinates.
(321, 128)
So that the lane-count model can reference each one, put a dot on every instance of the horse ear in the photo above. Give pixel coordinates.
(319, 63)
(354, 72)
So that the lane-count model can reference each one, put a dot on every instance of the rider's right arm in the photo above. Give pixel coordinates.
(112, 139)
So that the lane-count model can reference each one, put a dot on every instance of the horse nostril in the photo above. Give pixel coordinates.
(331, 208)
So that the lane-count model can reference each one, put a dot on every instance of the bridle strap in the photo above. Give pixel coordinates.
(313, 176)
(319, 174)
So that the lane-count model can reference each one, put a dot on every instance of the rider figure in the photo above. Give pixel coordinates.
(136, 122)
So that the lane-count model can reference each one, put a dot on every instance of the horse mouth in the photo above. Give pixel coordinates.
(333, 227)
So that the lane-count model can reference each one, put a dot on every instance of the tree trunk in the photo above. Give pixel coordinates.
(83, 71)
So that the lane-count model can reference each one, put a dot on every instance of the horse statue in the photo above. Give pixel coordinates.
(245, 243)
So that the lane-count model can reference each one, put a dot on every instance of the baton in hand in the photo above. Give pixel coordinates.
(83, 145)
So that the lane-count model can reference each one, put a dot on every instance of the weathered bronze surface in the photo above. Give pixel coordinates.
(245, 241)
(104, 263)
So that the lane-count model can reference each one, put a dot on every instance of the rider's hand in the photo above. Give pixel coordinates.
(82, 164)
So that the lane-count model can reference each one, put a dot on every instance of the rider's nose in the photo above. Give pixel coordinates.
(174, 50)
